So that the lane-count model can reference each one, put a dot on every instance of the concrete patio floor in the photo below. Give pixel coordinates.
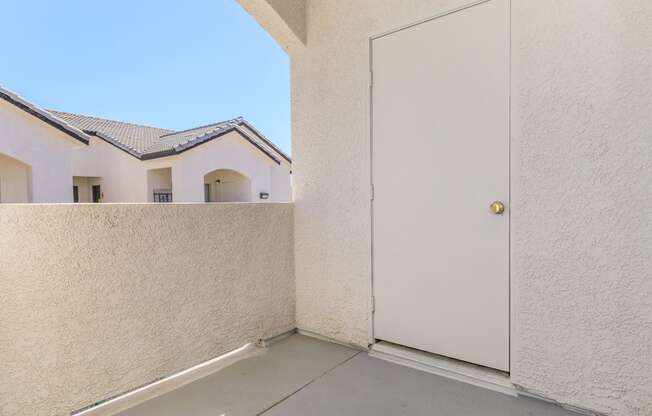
(305, 376)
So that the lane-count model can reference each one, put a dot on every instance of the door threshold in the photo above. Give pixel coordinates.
(476, 375)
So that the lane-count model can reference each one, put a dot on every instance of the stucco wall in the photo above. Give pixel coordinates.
(285, 20)
(293, 13)
(83, 188)
(228, 186)
(85, 185)
(14, 180)
(331, 161)
(98, 299)
(581, 180)
(158, 180)
(582, 202)
(123, 177)
(230, 151)
(281, 183)
(45, 149)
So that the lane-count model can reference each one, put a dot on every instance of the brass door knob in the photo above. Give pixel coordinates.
(497, 207)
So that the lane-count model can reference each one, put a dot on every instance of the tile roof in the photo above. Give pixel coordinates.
(146, 142)
(172, 139)
(143, 142)
(132, 136)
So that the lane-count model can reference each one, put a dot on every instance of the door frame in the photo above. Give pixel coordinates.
(371, 38)
(99, 193)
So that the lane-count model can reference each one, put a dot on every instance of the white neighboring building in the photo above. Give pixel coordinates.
(36, 152)
(223, 162)
(113, 161)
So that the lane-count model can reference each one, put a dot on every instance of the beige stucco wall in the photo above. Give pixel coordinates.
(581, 180)
(293, 13)
(98, 299)
(581, 202)
(285, 20)
(331, 161)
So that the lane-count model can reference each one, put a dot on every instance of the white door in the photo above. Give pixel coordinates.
(440, 158)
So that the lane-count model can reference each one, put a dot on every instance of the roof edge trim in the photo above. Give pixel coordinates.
(110, 140)
(44, 116)
(177, 150)
(265, 139)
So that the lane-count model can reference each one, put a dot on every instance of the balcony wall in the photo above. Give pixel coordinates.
(581, 174)
(99, 299)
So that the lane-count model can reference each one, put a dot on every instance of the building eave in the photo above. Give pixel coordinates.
(179, 149)
(116, 143)
(44, 116)
(265, 140)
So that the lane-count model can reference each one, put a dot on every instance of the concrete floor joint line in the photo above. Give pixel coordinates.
(261, 413)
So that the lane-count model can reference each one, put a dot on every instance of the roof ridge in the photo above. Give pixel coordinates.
(232, 120)
(108, 119)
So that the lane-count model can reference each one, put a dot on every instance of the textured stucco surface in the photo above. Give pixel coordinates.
(581, 246)
(293, 12)
(285, 20)
(582, 202)
(98, 299)
(331, 161)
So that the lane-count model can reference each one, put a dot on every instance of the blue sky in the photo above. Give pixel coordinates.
(165, 63)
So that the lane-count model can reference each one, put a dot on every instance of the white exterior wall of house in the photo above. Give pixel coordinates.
(226, 185)
(232, 152)
(14, 181)
(125, 178)
(158, 180)
(281, 182)
(84, 186)
(281, 176)
(580, 200)
(45, 149)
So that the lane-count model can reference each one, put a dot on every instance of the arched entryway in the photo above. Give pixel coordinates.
(15, 181)
(226, 185)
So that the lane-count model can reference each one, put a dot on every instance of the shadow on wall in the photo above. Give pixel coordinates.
(15, 181)
(159, 185)
(226, 185)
